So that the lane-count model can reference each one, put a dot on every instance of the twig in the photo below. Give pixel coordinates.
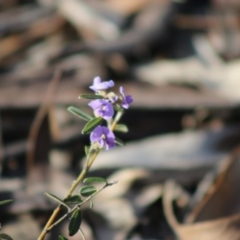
(37, 122)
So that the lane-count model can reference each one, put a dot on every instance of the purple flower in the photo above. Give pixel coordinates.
(102, 108)
(126, 100)
(99, 85)
(103, 136)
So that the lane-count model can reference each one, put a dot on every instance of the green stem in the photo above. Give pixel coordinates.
(116, 120)
(55, 213)
(88, 164)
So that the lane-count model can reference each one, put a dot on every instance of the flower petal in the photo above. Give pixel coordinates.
(122, 91)
(107, 141)
(96, 134)
(97, 80)
(108, 111)
(126, 100)
(96, 103)
(102, 108)
(99, 85)
(109, 134)
(110, 145)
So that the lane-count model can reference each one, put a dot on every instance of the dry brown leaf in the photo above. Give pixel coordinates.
(85, 19)
(220, 229)
(223, 197)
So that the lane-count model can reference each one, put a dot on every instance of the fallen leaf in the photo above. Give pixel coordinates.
(220, 229)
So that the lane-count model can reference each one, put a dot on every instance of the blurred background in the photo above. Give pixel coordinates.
(180, 60)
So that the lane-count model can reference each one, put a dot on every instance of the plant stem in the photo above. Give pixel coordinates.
(79, 205)
(81, 176)
(116, 119)
(73, 187)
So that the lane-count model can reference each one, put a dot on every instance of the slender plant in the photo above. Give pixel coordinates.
(108, 108)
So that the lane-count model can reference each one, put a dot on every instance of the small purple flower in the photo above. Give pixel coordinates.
(99, 85)
(102, 108)
(103, 136)
(126, 100)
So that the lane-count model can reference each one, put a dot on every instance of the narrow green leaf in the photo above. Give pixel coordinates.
(87, 191)
(121, 128)
(56, 199)
(75, 199)
(91, 204)
(86, 149)
(62, 238)
(6, 201)
(80, 113)
(95, 180)
(75, 222)
(91, 125)
(91, 96)
(4, 236)
(119, 142)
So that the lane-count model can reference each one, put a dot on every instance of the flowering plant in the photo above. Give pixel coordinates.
(108, 108)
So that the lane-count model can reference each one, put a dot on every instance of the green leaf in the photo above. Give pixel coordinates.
(119, 141)
(95, 180)
(91, 96)
(121, 128)
(75, 199)
(91, 125)
(62, 238)
(80, 113)
(75, 222)
(86, 149)
(118, 108)
(6, 201)
(87, 191)
(4, 236)
(56, 199)
(91, 204)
